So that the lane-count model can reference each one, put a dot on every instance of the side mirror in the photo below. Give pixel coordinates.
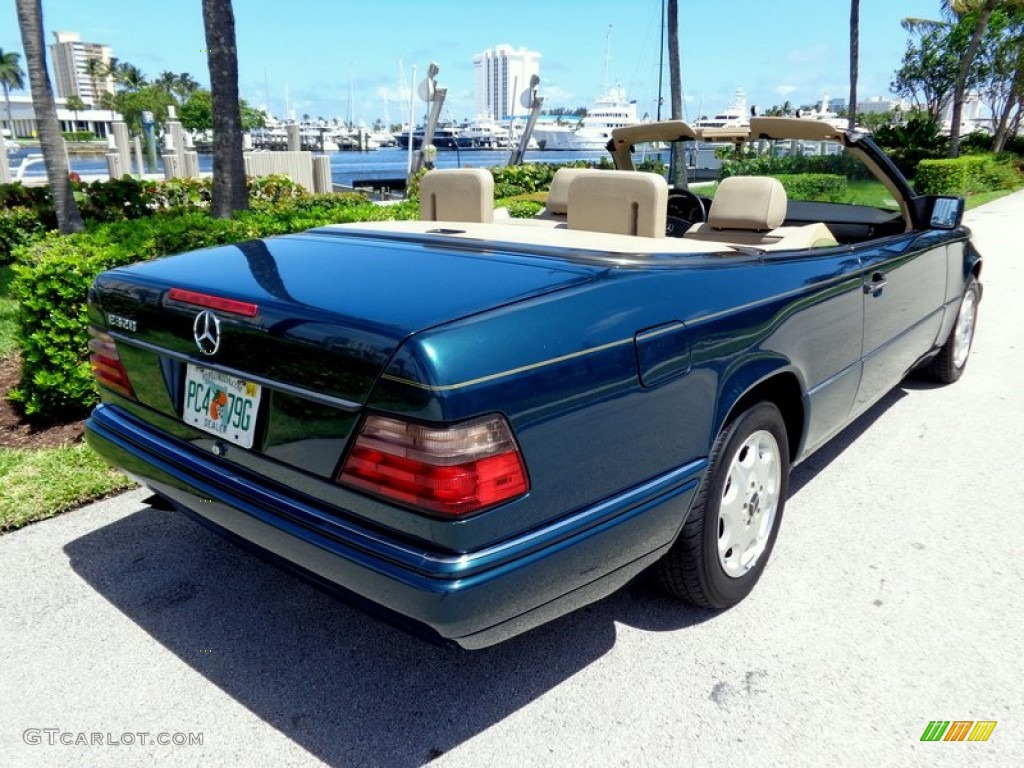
(945, 212)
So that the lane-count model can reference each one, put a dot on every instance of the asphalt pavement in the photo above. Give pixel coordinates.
(131, 636)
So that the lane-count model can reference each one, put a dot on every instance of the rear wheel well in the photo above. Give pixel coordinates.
(782, 389)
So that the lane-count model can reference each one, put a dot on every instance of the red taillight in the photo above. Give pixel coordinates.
(106, 363)
(235, 307)
(454, 470)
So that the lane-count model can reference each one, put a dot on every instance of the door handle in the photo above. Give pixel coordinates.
(878, 282)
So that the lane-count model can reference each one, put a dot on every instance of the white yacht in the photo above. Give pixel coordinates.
(736, 115)
(612, 110)
(484, 133)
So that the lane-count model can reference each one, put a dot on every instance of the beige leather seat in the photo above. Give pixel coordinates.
(749, 210)
(744, 211)
(457, 194)
(618, 202)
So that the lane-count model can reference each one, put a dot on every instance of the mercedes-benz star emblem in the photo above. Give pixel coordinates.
(206, 332)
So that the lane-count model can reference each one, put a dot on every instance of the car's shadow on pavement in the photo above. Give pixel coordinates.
(346, 687)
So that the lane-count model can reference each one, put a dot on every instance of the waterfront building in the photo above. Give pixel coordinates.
(70, 57)
(502, 73)
(90, 119)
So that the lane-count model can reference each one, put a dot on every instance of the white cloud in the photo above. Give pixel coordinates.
(785, 90)
(816, 54)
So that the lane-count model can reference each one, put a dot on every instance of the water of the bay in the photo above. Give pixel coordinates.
(346, 167)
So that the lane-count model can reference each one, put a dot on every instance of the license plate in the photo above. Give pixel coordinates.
(222, 405)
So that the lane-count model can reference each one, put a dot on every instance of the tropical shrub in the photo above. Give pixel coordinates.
(918, 139)
(53, 275)
(515, 180)
(519, 208)
(18, 226)
(51, 280)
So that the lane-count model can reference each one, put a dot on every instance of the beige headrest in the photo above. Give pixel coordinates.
(558, 195)
(748, 202)
(619, 202)
(457, 194)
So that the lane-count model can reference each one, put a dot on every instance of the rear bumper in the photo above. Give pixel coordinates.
(474, 599)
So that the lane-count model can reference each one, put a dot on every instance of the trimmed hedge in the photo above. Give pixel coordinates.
(966, 175)
(53, 275)
(947, 176)
(822, 187)
(52, 278)
(769, 165)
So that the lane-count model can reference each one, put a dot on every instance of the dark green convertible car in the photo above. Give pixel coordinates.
(472, 424)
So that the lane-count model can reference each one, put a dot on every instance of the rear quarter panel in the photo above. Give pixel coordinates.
(564, 370)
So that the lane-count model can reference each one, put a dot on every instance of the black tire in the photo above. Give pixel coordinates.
(693, 569)
(949, 364)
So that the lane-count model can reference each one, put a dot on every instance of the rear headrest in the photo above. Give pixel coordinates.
(748, 202)
(619, 202)
(457, 194)
(558, 195)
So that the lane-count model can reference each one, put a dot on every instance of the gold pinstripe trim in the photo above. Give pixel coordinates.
(854, 276)
(509, 372)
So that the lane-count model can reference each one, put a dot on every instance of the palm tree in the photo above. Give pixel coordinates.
(184, 86)
(958, 8)
(229, 191)
(677, 166)
(129, 77)
(675, 76)
(854, 61)
(166, 80)
(97, 70)
(11, 77)
(30, 21)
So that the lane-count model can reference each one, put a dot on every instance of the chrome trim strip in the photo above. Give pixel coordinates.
(661, 330)
(308, 394)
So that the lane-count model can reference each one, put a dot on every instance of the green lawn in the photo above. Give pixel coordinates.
(36, 484)
(987, 197)
(869, 192)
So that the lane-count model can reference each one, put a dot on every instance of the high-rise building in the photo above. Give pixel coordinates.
(502, 74)
(70, 57)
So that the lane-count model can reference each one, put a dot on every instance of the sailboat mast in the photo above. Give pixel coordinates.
(607, 56)
(661, 59)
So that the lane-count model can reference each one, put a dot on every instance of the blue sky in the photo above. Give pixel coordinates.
(315, 53)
